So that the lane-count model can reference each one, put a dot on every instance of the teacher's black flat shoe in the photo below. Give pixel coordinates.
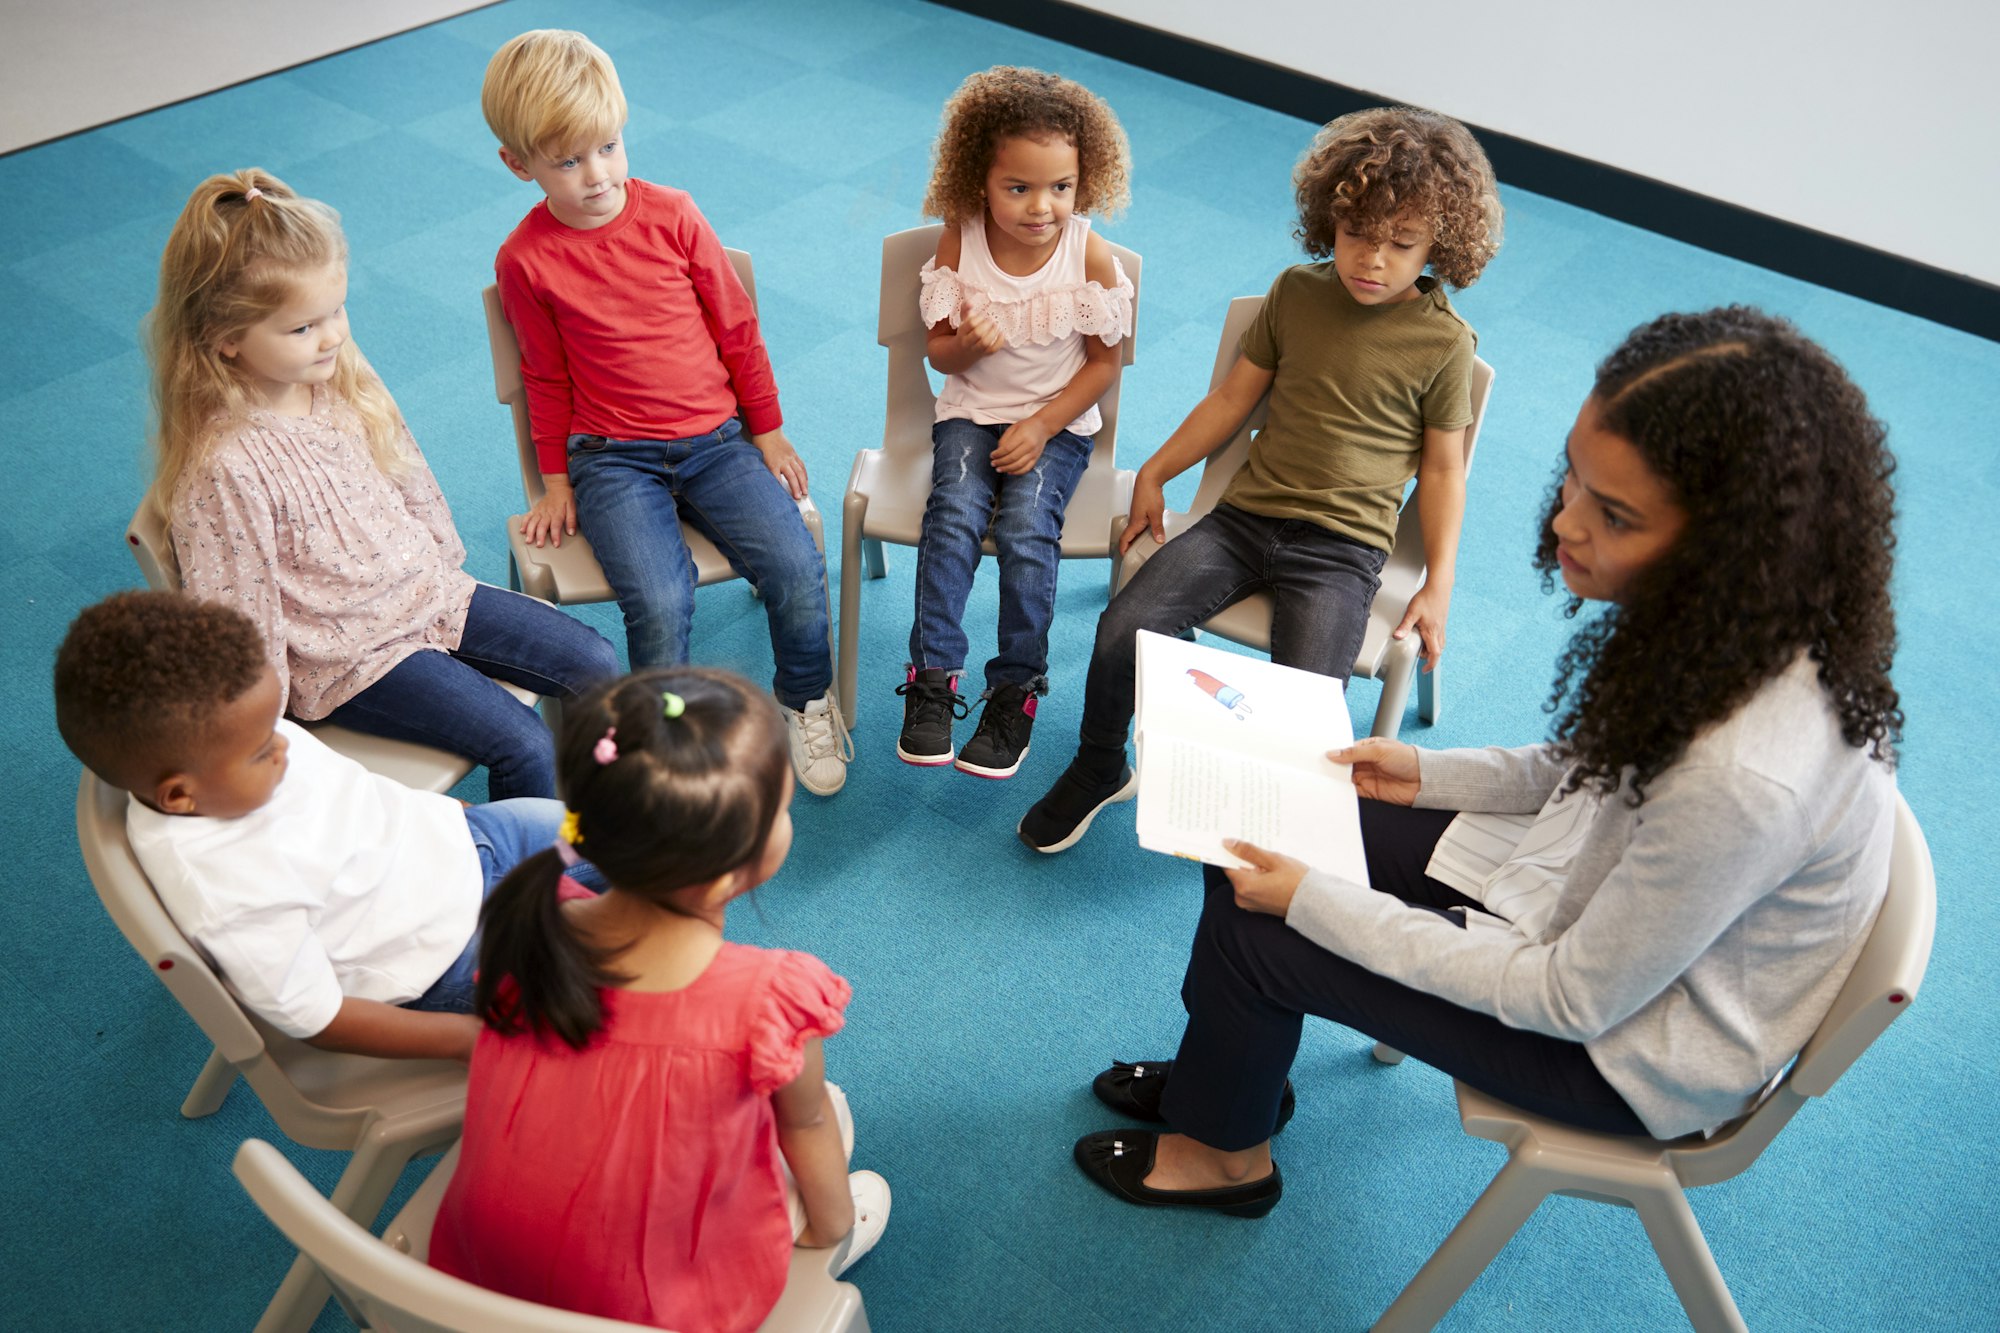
(1118, 1159)
(1134, 1090)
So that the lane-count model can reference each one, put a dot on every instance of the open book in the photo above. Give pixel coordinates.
(1235, 747)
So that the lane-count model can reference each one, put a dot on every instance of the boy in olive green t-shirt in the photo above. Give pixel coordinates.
(1369, 371)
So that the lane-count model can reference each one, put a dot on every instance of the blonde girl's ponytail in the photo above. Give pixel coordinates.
(236, 254)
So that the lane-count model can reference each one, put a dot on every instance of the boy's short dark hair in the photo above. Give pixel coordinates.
(1367, 168)
(139, 676)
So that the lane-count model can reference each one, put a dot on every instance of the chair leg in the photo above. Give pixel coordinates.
(1398, 666)
(300, 1298)
(211, 1087)
(1473, 1244)
(1430, 696)
(874, 558)
(1386, 1054)
(1677, 1239)
(855, 551)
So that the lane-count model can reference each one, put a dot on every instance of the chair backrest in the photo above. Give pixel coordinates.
(513, 394)
(912, 407)
(1885, 979)
(384, 1288)
(128, 896)
(153, 549)
(1406, 562)
(318, 1098)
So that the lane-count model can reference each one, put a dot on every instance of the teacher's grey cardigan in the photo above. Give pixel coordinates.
(1699, 939)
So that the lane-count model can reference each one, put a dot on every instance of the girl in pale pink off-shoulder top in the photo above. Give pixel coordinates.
(293, 490)
(1026, 308)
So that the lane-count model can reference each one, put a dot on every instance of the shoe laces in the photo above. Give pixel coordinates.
(936, 700)
(824, 735)
(1006, 714)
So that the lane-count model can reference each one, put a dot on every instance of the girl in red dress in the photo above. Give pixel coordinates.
(648, 1127)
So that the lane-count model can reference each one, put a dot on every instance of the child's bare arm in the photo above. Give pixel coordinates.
(809, 1136)
(1441, 506)
(951, 348)
(1214, 419)
(369, 1027)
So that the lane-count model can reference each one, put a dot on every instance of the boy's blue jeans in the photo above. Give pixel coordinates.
(451, 701)
(1321, 587)
(505, 833)
(1027, 530)
(632, 497)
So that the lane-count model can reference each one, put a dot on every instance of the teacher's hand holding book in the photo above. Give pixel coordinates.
(1268, 882)
(1384, 770)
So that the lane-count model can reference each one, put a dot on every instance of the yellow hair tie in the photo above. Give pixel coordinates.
(672, 705)
(568, 831)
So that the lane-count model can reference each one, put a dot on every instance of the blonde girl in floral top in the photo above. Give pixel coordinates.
(293, 490)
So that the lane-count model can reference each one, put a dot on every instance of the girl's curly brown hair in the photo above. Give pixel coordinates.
(1008, 102)
(1367, 168)
(1790, 539)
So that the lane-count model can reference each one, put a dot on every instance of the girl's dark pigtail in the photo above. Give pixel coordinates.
(534, 973)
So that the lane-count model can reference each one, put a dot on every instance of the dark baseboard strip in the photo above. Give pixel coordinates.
(1952, 299)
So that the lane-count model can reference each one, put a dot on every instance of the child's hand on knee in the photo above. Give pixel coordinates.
(783, 460)
(1020, 445)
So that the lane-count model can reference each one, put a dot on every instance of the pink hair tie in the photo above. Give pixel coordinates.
(252, 193)
(606, 749)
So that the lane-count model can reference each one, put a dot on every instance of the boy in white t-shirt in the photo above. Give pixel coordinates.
(338, 905)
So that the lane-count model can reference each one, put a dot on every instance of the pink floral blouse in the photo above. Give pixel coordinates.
(346, 570)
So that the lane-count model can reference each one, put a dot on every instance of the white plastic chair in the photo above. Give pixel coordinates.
(385, 1112)
(1649, 1175)
(385, 1284)
(1391, 661)
(889, 487)
(411, 764)
(569, 574)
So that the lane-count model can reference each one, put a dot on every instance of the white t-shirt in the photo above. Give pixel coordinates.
(344, 883)
(1043, 316)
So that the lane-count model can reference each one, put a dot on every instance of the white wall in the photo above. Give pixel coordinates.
(66, 65)
(1877, 122)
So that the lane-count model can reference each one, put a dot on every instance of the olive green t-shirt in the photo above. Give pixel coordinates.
(1353, 388)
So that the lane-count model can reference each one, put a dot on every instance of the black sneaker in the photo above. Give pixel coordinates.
(930, 703)
(1001, 742)
(1060, 819)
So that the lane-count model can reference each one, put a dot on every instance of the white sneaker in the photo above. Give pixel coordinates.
(821, 746)
(871, 1215)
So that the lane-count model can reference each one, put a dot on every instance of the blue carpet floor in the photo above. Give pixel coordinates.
(990, 983)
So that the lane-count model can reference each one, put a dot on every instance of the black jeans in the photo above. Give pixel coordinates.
(1321, 583)
(1251, 980)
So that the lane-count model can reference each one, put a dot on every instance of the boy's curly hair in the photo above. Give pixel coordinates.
(1008, 102)
(140, 675)
(1369, 167)
(1789, 545)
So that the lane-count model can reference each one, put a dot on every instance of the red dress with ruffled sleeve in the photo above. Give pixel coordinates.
(640, 1178)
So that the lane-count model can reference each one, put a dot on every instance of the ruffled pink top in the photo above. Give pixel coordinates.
(640, 1178)
(1043, 316)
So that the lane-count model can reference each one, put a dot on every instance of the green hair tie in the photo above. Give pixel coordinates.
(672, 705)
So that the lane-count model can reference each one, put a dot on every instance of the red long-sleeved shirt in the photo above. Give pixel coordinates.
(636, 330)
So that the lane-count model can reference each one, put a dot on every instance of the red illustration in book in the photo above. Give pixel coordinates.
(1223, 693)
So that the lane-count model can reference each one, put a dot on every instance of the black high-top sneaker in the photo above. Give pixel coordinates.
(1001, 741)
(930, 704)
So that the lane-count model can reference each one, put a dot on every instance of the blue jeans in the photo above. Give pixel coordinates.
(1027, 530)
(1321, 587)
(451, 701)
(632, 497)
(505, 833)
